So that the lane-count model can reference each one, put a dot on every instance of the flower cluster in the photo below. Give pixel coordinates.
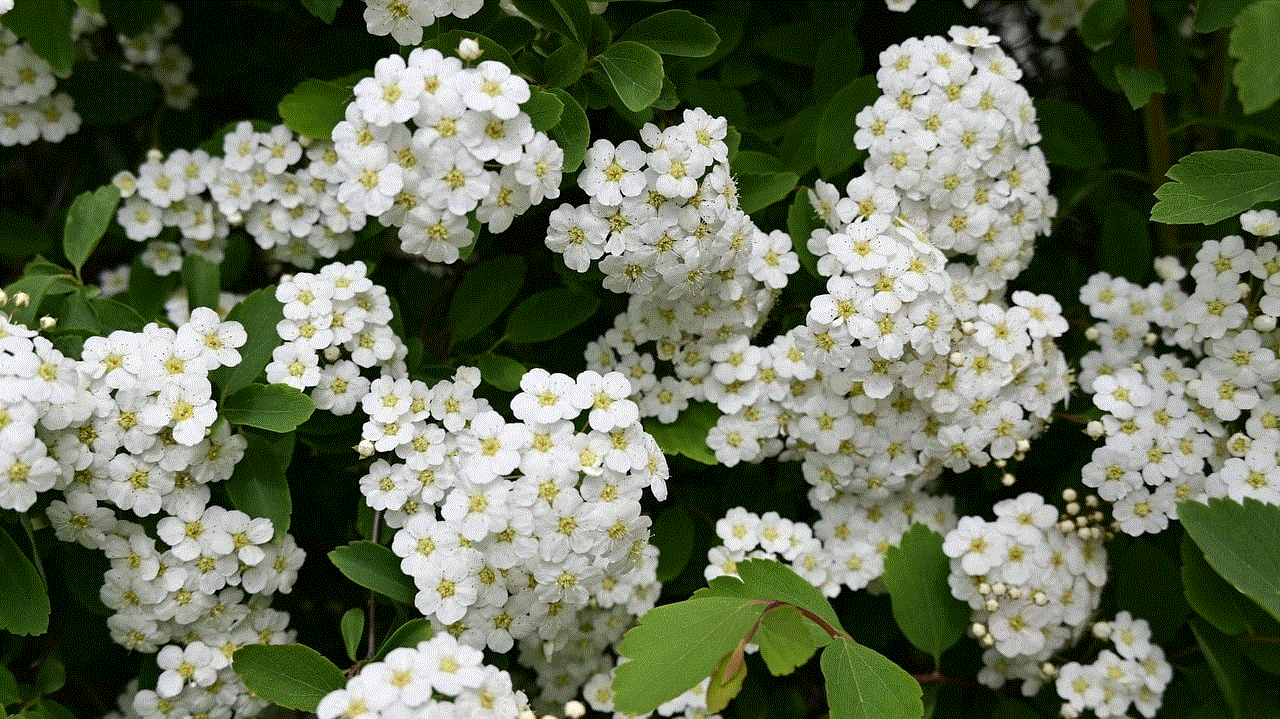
(437, 678)
(1057, 17)
(428, 141)
(692, 704)
(1032, 579)
(1186, 382)
(292, 213)
(29, 108)
(336, 323)
(509, 528)
(404, 20)
(133, 426)
(149, 53)
(1134, 675)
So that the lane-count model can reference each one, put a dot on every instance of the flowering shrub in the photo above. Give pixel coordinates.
(466, 358)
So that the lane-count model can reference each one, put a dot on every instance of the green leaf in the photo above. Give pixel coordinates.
(756, 192)
(1139, 83)
(1210, 595)
(258, 485)
(1070, 137)
(107, 94)
(565, 65)
(791, 42)
(837, 63)
(116, 315)
(1242, 544)
(688, 434)
(634, 71)
(46, 26)
(50, 709)
(801, 222)
(1124, 249)
(24, 604)
(77, 315)
(37, 287)
(8, 687)
(1216, 184)
(863, 684)
(722, 688)
(1165, 610)
(201, 279)
(752, 162)
(130, 17)
(544, 109)
(374, 567)
(675, 32)
(915, 572)
(90, 5)
(785, 640)
(52, 676)
(1101, 22)
(573, 132)
(290, 675)
(148, 291)
(273, 407)
(834, 148)
(676, 645)
(501, 372)
(87, 222)
(314, 108)
(482, 295)
(549, 314)
(1225, 662)
(1253, 45)
(409, 634)
(352, 628)
(571, 18)
(447, 44)
(768, 580)
(1213, 15)
(672, 533)
(326, 10)
(259, 313)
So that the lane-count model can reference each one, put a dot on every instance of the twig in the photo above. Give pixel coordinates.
(1157, 126)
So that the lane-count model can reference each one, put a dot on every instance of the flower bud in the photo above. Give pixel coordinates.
(469, 49)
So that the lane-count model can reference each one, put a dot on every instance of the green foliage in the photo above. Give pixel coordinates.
(758, 191)
(915, 572)
(483, 294)
(314, 107)
(672, 533)
(634, 72)
(374, 567)
(1256, 73)
(1242, 544)
(1070, 135)
(326, 10)
(24, 603)
(501, 372)
(258, 486)
(1212, 185)
(573, 132)
(834, 150)
(571, 18)
(786, 640)
(863, 684)
(352, 628)
(549, 314)
(1213, 15)
(131, 17)
(408, 634)
(107, 94)
(1139, 83)
(675, 32)
(46, 26)
(289, 675)
(687, 436)
(544, 109)
(87, 222)
(1210, 595)
(201, 279)
(273, 407)
(1225, 662)
(259, 313)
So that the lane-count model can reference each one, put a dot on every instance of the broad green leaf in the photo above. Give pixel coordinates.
(544, 109)
(672, 533)
(501, 372)
(634, 71)
(87, 222)
(1125, 246)
(1210, 595)
(1242, 544)
(785, 640)
(116, 315)
(77, 315)
(1213, 15)
(837, 63)
(148, 291)
(675, 646)
(50, 709)
(1070, 137)
(46, 26)
(409, 634)
(201, 279)
(352, 629)
(915, 572)
(724, 685)
(756, 192)
(564, 66)
(273, 407)
(1253, 45)
(1101, 22)
(571, 18)
(290, 675)
(801, 222)
(688, 434)
(107, 94)
(8, 687)
(375, 567)
(326, 10)
(259, 313)
(752, 162)
(24, 604)
(52, 676)
(768, 580)
(834, 148)
(258, 486)
(573, 132)
(314, 108)
(863, 684)
(37, 287)
(130, 17)
(1165, 610)
(549, 314)
(1216, 184)
(675, 32)
(482, 295)
(1225, 662)
(1139, 83)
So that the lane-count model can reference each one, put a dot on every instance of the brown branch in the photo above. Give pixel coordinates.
(1153, 115)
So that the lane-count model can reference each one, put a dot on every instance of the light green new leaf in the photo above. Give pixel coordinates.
(259, 313)
(1253, 45)
(785, 640)
(834, 150)
(24, 604)
(1215, 184)
(375, 567)
(1139, 83)
(544, 109)
(724, 685)
(675, 646)
(758, 191)
(409, 634)
(87, 221)
(352, 629)
(201, 279)
(863, 684)
(634, 71)
(915, 573)
(290, 675)
(501, 372)
(573, 132)
(46, 26)
(258, 486)
(482, 295)
(1242, 544)
(314, 108)
(675, 32)
(273, 407)
(326, 10)
(549, 314)
(1070, 136)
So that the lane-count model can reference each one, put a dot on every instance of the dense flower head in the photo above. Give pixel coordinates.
(404, 20)
(1131, 674)
(29, 108)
